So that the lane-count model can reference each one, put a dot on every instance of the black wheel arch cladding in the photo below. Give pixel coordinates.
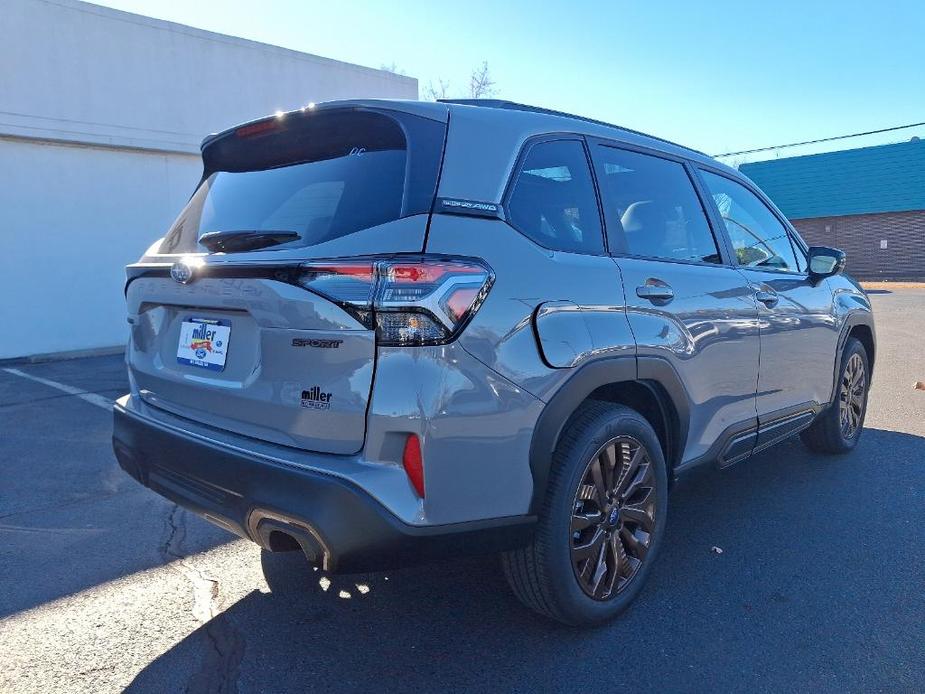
(654, 373)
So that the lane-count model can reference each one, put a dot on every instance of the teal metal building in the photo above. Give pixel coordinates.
(870, 202)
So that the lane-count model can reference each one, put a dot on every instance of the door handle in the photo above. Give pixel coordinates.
(769, 299)
(655, 292)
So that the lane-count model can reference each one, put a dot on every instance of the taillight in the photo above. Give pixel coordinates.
(409, 300)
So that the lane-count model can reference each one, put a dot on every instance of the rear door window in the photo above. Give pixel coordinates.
(553, 200)
(654, 207)
(314, 177)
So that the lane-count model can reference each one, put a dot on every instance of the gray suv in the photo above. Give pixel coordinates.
(386, 331)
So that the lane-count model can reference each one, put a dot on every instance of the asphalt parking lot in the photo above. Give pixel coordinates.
(820, 584)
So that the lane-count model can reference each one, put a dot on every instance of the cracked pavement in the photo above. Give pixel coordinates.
(105, 586)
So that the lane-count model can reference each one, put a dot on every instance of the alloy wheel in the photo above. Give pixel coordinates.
(613, 517)
(851, 396)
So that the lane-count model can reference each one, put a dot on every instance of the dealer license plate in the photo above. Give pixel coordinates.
(204, 343)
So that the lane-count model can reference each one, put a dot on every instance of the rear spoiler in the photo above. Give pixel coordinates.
(424, 109)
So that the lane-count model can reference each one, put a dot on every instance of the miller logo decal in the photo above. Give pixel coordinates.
(316, 399)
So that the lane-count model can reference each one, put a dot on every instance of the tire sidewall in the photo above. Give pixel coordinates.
(571, 599)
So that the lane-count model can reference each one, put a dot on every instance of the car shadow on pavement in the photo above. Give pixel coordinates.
(772, 569)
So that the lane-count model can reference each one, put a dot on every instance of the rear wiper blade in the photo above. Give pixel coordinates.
(244, 240)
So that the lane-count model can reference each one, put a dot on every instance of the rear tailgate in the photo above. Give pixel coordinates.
(230, 339)
(297, 370)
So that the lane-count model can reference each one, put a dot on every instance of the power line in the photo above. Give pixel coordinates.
(823, 139)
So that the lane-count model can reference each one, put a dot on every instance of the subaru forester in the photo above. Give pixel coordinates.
(384, 331)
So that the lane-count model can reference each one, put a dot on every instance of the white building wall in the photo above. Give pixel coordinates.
(101, 116)
(72, 218)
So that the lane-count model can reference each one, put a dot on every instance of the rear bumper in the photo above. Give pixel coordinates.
(338, 525)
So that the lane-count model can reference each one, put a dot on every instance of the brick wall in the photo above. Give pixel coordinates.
(860, 237)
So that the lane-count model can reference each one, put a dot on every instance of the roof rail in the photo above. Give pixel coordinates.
(514, 106)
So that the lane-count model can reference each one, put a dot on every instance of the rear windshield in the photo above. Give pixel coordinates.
(312, 178)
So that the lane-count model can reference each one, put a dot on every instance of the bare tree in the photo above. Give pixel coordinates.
(439, 91)
(393, 68)
(481, 85)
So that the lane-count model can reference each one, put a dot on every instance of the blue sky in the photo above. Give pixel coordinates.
(716, 76)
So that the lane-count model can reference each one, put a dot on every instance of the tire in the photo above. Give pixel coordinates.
(829, 433)
(551, 575)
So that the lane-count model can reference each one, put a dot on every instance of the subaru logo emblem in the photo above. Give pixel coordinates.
(182, 272)
(614, 516)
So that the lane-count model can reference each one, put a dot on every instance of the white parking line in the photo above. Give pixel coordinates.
(92, 398)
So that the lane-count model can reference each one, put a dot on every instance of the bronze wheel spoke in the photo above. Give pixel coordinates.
(597, 478)
(608, 460)
(636, 544)
(581, 521)
(588, 549)
(639, 483)
(600, 570)
(640, 515)
(617, 556)
(630, 472)
(613, 517)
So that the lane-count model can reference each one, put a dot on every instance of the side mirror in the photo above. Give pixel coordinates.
(825, 262)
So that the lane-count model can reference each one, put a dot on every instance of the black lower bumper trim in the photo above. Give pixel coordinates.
(334, 521)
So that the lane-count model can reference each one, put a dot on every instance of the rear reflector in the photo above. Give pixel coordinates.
(413, 464)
